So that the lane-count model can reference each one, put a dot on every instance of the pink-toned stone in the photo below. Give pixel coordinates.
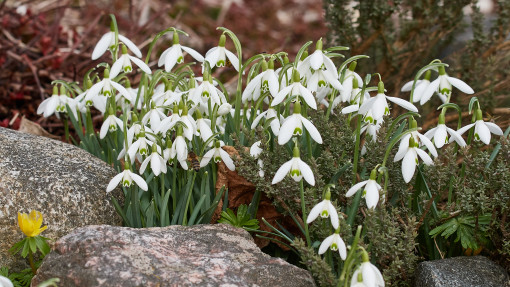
(201, 255)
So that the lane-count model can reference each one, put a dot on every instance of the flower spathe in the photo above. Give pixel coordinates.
(31, 223)
(126, 178)
(334, 242)
(296, 168)
(325, 209)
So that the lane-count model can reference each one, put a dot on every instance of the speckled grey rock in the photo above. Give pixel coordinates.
(65, 183)
(472, 271)
(200, 255)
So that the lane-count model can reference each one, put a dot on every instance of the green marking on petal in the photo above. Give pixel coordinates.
(180, 60)
(295, 172)
(334, 247)
(322, 83)
(324, 214)
(220, 63)
(298, 132)
(126, 183)
(217, 159)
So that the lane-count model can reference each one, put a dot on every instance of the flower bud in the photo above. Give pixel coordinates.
(224, 109)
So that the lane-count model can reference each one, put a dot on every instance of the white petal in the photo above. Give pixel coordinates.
(483, 132)
(287, 129)
(330, 66)
(315, 212)
(341, 246)
(281, 95)
(424, 156)
(316, 60)
(121, 90)
(464, 129)
(104, 129)
(430, 146)
(372, 194)
(403, 103)
(114, 182)
(116, 67)
(233, 59)
(162, 58)
(139, 181)
(333, 214)
(430, 133)
(427, 94)
(306, 171)
(206, 158)
(456, 136)
(494, 128)
(355, 188)
(350, 109)
(326, 244)
(171, 57)
(196, 55)
(408, 86)
(282, 172)
(307, 96)
(227, 160)
(409, 165)
(459, 84)
(144, 164)
(369, 277)
(131, 46)
(102, 45)
(212, 56)
(141, 64)
(312, 130)
(257, 119)
(440, 136)
(402, 148)
(272, 82)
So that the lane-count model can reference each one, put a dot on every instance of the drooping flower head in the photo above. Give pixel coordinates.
(296, 168)
(108, 42)
(217, 56)
(325, 209)
(370, 192)
(173, 55)
(334, 242)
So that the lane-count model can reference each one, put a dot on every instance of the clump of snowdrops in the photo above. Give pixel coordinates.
(165, 137)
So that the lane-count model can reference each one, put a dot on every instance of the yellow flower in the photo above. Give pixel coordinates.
(31, 223)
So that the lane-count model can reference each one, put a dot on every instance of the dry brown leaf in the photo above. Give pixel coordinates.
(29, 127)
(240, 191)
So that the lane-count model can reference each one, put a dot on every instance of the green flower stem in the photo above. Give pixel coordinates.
(66, 128)
(31, 261)
(185, 217)
(303, 210)
(355, 204)
(116, 31)
(174, 186)
(350, 260)
(330, 106)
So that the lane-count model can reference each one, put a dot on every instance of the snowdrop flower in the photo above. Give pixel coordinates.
(372, 129)
(217, 154)
(334, 242)
(50, 105)
(440, 134)
(268, 115)
(110, 124)
(443, 86)
(350, 77)
(255, 152)
(124, 63)
(379, 106)
(295, 89)
(127, 177)
(204, 128)
(224, 109)
(317, 61)
(293, 125)
(263, 82)
(408, 152)
(419, 88)
(483, 129)
(158, 164)
(216, 56)
(207, 90)
(370, 192)
(140, 146)
(154, 117)
(108, 41)
(296, 168)
(325, 209)
(367, 275)
(105, 87)
(4, 281)
(173, 55)
(180, 149)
